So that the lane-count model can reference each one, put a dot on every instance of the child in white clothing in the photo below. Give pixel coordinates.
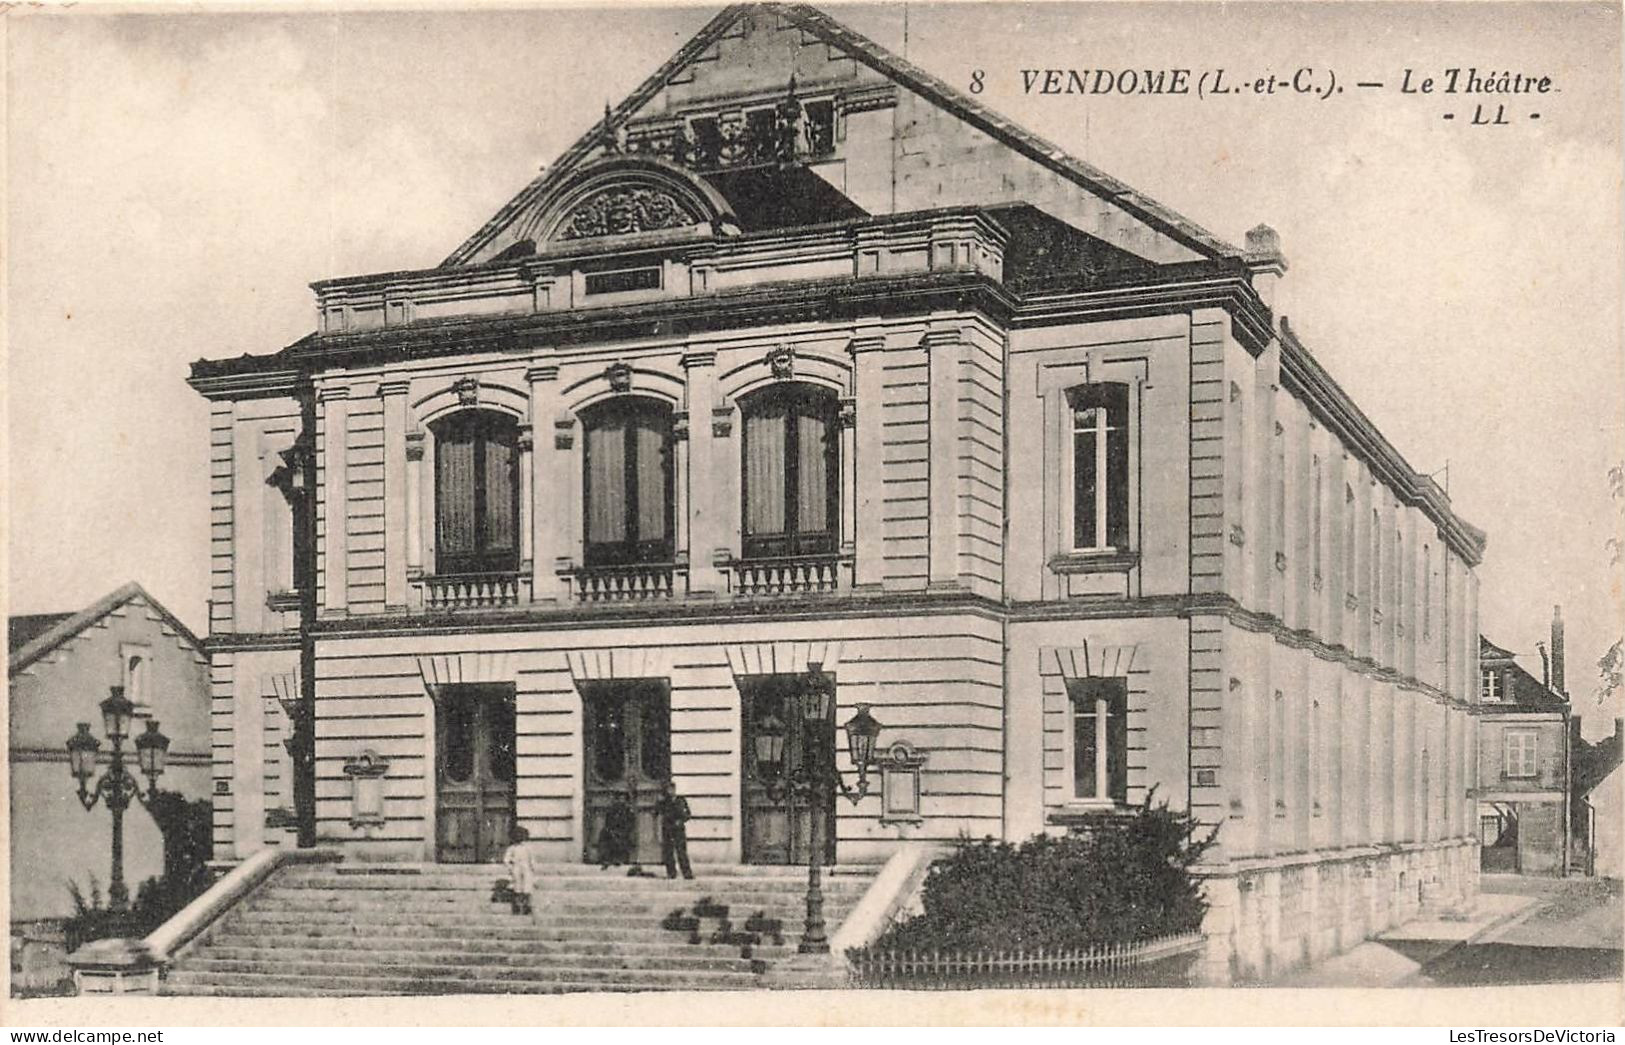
(521, 875)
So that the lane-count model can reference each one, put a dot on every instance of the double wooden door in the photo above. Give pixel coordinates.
(777, 817)
(474, 773)
(627, 738)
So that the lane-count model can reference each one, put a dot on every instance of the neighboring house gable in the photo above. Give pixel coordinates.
(61, 667)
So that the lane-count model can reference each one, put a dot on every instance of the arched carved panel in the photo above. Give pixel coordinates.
(628, 195)
(624, 209)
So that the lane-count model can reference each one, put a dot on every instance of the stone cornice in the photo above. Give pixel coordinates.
(1171, 288)
(840, 606)
(1180, 288)
(231, 641)
(1305, 378)
(250, 382)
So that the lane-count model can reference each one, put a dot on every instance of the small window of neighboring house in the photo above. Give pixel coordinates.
(476, 493)
(1520, 754)
(1100, 473)
(1490, 691)
(1099, 739)
(137, 671)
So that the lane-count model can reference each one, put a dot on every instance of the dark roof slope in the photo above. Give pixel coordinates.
(767, 198)
(23, 629)
(1523, 691)
(70, 624)
(1043, 249)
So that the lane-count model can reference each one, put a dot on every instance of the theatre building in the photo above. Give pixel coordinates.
(802, 365)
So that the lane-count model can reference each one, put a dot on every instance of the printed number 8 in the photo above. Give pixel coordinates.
(976, 81)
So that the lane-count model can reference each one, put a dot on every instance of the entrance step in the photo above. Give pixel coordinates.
(363, 929)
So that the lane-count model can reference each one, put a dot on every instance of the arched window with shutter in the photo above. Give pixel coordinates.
(476, 481)
(791, 471)
(628, 482)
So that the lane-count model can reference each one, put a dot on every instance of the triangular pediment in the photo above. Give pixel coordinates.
(775, 85)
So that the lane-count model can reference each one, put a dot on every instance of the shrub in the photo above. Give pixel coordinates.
(187, 828)
(1123, 879)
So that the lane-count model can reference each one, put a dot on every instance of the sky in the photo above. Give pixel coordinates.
(175, 182)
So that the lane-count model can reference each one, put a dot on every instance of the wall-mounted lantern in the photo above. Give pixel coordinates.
(366, 772)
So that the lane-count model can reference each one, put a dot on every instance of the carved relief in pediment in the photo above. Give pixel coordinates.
(622, 210)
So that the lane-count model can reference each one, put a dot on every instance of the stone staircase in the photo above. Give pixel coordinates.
(369, 929)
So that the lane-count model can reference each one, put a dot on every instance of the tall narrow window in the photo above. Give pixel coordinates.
(820, 127)
(1278, 493)
(1099, 738)
(1318, 520)
(1319, 750)
(792, 472)
(628, 479)
(1100, 467)
(1427, 591)
(760, 134)
(1490, 691)
(1377, 593)
(1350, 544)
(477, 493)
(1281, 751)
(1400, 578)
(1445, 612)
(705, 134)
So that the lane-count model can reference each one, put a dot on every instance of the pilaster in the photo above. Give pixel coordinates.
(248, 566)
(546, 480)
(867, 463)
(943, 351)
(334, 402)
(701, 456)
(395, 494)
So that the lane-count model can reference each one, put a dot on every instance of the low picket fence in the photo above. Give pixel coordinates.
(1161, 962)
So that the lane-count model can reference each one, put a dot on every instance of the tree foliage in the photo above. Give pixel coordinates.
(187, 827)
(1611, 665)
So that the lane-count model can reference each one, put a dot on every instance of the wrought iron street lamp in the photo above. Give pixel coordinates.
(117, 786)
(815, 778)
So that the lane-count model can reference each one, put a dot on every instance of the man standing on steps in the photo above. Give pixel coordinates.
(672, 809)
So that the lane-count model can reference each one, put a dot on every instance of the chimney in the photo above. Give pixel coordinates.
(1545, 666)
(1557, 651)
(1267, 264)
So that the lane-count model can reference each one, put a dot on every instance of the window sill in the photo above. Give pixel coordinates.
(1094, 562)
(1082, 811)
